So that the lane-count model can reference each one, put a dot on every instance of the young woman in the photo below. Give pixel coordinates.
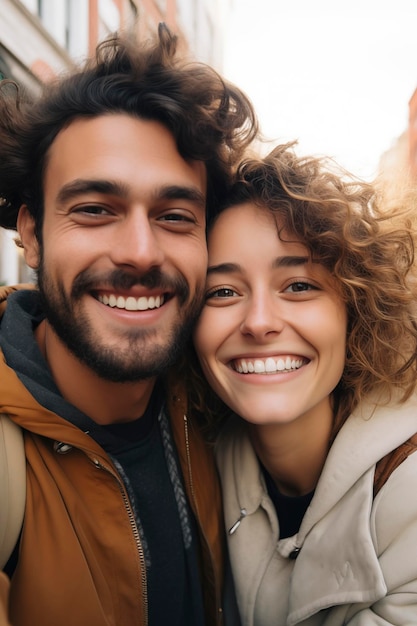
(309, 335)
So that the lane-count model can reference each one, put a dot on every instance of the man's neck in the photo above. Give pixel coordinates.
(105, 402)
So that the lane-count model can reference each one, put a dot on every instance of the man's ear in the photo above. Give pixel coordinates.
(26, 230)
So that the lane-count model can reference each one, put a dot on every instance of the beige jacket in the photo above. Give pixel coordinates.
(357, 556)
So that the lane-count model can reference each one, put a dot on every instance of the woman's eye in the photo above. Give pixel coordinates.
(299, 286)
(221, 292)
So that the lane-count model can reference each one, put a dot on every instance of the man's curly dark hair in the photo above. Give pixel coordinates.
(210, 119)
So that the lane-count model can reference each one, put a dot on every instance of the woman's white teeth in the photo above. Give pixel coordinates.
(132, 304)
(267, 366)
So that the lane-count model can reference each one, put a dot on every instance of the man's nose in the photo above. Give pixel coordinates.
(136, 243)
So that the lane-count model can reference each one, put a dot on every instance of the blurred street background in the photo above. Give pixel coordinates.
(338, 76)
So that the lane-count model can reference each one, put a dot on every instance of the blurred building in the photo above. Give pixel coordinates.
(394, 169)
(412, 131)
(41, 38)
(398, 165)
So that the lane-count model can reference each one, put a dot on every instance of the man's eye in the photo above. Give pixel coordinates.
(92, 209)
(221, 292)
(176, 217)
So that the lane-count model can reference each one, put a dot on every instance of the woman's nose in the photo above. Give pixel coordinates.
(262, 317)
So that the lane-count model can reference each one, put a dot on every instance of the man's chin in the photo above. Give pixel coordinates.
(133, 363)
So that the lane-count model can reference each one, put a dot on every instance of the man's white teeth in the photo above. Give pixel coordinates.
(267, 366)
(132, 304)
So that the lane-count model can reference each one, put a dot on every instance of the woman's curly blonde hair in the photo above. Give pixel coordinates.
(367, 247)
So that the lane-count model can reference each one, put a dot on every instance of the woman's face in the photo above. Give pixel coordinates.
(271, 336)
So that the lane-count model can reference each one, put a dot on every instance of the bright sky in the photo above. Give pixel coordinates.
(335, 74)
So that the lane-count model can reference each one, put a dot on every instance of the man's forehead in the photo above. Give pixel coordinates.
(114, 141)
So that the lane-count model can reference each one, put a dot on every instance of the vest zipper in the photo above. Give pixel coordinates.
(191, 481)
(135, 531)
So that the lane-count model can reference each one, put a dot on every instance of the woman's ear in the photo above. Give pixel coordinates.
(29, 241)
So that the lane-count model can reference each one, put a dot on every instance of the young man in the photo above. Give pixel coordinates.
(108, 179)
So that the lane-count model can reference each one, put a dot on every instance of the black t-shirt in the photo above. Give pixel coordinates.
(290, 509)
(174, 591)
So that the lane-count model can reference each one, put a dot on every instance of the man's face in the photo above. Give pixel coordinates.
(123, 259)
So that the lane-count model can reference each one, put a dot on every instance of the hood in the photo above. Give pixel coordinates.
(28, 393)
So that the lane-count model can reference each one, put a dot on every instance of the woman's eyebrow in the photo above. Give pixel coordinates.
(281, 261)
(223, 268)
(290, 261)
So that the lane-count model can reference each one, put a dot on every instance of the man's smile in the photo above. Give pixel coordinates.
(131, 303)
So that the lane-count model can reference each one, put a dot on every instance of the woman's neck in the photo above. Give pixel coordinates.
(294, 454)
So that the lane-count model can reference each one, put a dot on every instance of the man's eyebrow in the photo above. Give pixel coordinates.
(86, 185)
(180, 192)
(281, 261)
(114, 188)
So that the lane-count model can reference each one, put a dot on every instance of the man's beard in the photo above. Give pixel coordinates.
(135, 354)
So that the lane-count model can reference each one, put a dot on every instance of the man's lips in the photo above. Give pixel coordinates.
(130, 303)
